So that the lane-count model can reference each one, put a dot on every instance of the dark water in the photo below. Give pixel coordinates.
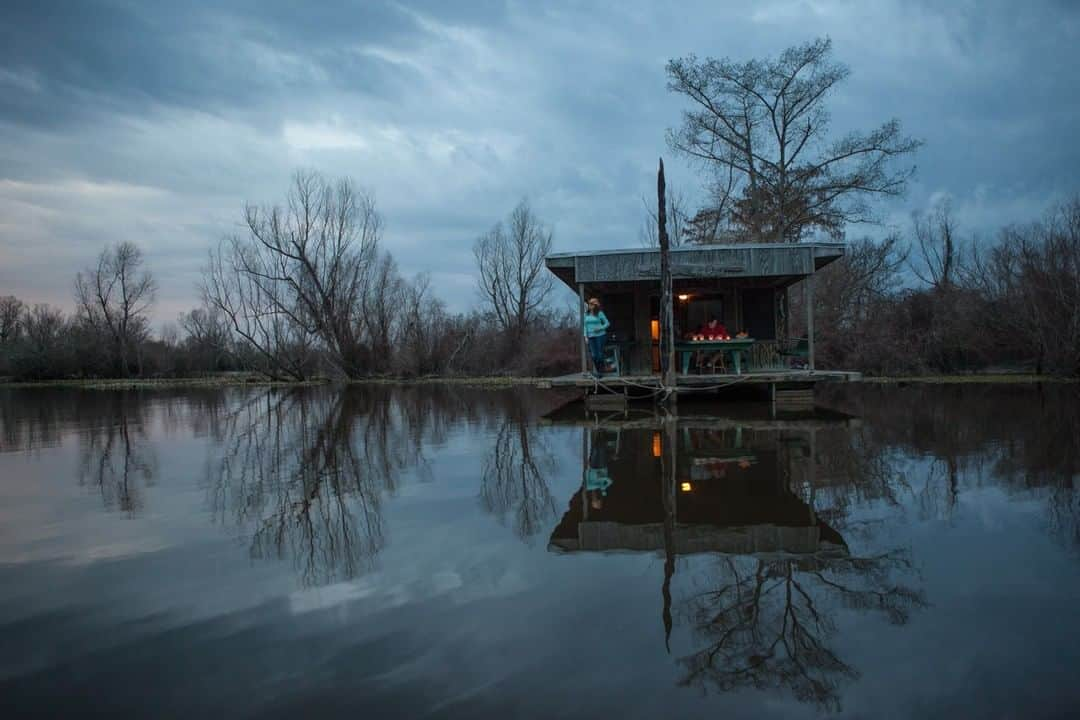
(452, 552)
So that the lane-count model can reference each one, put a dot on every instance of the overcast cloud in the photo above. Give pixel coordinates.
(155, 122)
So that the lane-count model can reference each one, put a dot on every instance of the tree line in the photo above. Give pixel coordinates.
(941, 302)
(306, 290)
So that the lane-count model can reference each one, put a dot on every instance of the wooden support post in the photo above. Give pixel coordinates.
(812, 475)
(584, 477)
(667, 314)
(809, 284)
(581, 332)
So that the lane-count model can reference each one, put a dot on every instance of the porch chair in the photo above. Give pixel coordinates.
(719, 359)
(612, 358)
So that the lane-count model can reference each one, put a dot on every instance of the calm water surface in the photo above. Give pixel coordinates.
(453, 552)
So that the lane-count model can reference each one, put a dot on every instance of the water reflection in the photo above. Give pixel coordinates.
(303, 474)
(1022, 439)
(116, 456)
(764, 553)
(514, 478)
(768, 573)
(292, 475)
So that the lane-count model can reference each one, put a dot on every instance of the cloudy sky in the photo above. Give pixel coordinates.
(155, 122)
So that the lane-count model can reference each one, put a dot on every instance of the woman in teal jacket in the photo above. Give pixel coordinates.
(596, 325)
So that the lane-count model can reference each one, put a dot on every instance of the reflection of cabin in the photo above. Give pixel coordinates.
(732, 492)
(741, 285)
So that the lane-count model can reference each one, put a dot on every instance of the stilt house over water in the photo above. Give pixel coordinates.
(740, 285)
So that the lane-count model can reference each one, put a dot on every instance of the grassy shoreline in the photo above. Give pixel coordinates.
(488, 381)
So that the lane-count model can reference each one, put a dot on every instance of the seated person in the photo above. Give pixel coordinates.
(712, 330)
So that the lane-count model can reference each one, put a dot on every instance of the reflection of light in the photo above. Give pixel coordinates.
(656, 444)
(684, 297)
(655, 328)
(686, 487)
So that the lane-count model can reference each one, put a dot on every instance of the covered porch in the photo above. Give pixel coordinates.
(743, 287)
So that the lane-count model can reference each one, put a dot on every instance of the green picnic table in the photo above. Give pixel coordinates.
(736, 347)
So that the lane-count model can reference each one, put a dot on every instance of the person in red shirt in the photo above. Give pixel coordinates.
(712, 330)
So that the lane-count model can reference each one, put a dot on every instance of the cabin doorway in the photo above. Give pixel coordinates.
(759, 313)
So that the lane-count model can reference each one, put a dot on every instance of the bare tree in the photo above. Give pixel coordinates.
(300, 275)
(114, 298)
(381, 303)
(514, 282)
(207, 336)
(424, 342)
(43, 343)
(11, 312)
(937, 261)
(712, 223)
(766, 123)
(848, 297)
(676, 216)
(1031, 281)
(274, 343)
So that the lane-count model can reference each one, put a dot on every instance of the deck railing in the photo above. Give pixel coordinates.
(765, 355)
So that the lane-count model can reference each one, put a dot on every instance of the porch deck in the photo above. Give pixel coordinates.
(694, 382)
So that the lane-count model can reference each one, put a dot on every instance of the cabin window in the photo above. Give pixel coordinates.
(758, 313)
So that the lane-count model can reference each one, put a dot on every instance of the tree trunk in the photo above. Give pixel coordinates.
(667, 345)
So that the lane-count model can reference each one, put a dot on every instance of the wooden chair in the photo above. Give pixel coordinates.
(719, 359)
(613, 358)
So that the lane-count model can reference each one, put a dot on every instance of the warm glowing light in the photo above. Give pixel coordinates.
(655, 329)
(656, 444)
(686, 487)
(684, 297)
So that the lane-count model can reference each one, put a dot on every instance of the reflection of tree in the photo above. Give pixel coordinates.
(940, 493)
(514, 477)
(1063, 515)
(115, 455)
(768, 623)
(1023, 438)
(306, 469)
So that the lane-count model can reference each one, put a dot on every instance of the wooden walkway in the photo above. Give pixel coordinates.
(694, 383)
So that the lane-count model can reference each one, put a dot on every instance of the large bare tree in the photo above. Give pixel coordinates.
(514, 282)
(114, 298)
(300, 274)
(269, 338)
(764, 125)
